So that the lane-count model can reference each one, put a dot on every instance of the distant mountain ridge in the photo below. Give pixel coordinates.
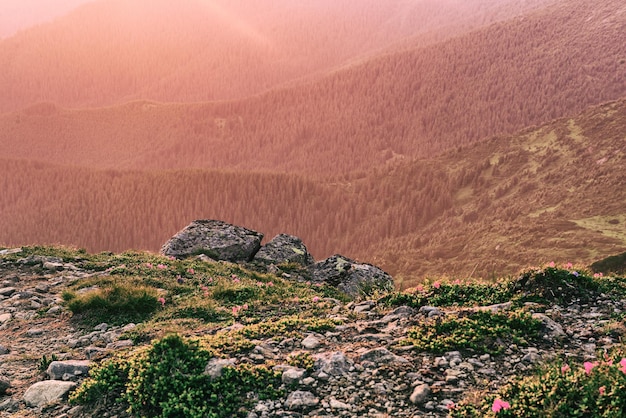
(410, 104)
(111, 51)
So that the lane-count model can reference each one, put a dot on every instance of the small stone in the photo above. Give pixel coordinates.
(7, 291)
(101, 327)
(4, 350)
(292, 376)
(68, 370)
(301, 400)
(5, 317)
(34, 332)
(116, 345)
(420, 394)
(308, 381)
(4, 385)
(310, 342)
(216, 365)
(335, 404)
(54, 310)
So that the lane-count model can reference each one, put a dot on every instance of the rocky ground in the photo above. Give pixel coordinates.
(361, 370)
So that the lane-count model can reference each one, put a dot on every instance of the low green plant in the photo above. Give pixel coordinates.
(115, 303)
(168, 380)
(455, 294)
(45, 361)
(559, 390)
(482, 331)
(303, 360)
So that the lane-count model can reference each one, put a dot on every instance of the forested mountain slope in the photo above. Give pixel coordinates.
(550, 193)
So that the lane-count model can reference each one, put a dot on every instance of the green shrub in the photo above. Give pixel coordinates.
(168, 380)
(483, 331)
(302, 360)
(552, 284)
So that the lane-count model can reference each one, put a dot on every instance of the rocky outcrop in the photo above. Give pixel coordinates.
(217, 239)
(284, 248)
(349, 276)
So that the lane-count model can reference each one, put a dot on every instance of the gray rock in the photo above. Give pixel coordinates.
(398, 313)
(349, 276)
(551, 327)
(310, 342)
(284, 248)
(48, 391)
(68, 370)
(7, 291)
(4, 385)
(335, 404)
(216, 366)
(217, 239)
(333, 364)
(301, 400)
(420, 394)
(381, 356)
(4, 350)
(292, 375)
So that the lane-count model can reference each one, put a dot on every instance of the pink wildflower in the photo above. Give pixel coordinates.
(161, 301)
(589, 366)
(568, 266)
(457, 281)
(551, 264)
(499, 404)
(419, 288)
(260, 284)
(436, 285)
(451, 406)
(171, 257)
(161, 266)
(236, 280)
(565, 368)
(597, 275)
(316, 299)
(149, 265)
(602, 390)
(245, 306)
(622, 364)
(191, 271)
(270, 284)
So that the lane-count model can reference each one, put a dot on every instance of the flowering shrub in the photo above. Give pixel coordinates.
(560, 390)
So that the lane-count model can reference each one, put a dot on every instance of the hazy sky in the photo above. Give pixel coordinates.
(20, 14)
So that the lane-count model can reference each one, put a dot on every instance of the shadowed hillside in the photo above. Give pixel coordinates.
(117, 50)
(411, 104)
(549, 193)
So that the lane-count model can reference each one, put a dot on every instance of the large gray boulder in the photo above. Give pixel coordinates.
(217, 239)
(349, 276)
(48, 391)
(284, 248)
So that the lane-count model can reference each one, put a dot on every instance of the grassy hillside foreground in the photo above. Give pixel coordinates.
(190, 311)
